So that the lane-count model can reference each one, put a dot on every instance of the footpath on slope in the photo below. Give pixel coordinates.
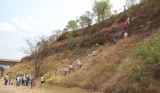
(87, 60)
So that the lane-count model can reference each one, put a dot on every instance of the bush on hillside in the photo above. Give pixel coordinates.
(54, 80)
(147, 56)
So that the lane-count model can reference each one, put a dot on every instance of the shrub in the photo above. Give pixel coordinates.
(144, 28)
(54, 80)
(71, 40)
(147, 54)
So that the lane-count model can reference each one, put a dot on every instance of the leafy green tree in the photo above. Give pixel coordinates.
(102, 10)
(85, 20)
(65, 30)
(72, 25)
(70, 39)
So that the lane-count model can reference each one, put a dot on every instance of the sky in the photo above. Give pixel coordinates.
(21, 19)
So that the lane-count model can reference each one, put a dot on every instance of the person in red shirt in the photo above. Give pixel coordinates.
(125, 26)
(10, 78)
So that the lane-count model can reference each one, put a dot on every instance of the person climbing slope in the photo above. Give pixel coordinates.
(114, 40)
(125, 26)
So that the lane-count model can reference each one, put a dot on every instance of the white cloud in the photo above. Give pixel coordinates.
(15, 20)
(25, 26)
(24, 19)
(32, 20)
(8, 43)
(1, 41)
(5, 42)
(17, 45)
(7, 27)
(25, 23)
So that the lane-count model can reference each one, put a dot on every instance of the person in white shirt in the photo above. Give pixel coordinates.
(18, 80)
(65, 71)
(128, 21)
(94, 53)
(71, 68)
(79, 63)
(125, 34)
(25, 80)
(42, 80)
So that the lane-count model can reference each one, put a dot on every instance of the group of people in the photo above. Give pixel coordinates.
(22, 80)
(71, 68)
(126, 25)
(25, 80)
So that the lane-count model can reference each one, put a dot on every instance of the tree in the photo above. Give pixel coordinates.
(52, 38)
(130, 3)
(70, 39)
(65, 30)
(37, 52)
(115, 12)
(102, 9)
(85, 20)
(72, 25)
(57, 33)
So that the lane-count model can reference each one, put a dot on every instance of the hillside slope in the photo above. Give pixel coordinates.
(103, 72)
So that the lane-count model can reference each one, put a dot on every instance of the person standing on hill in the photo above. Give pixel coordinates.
(125, 34)
(18, 80)
(79, 63)
(32, 80)
(27, 79)
(94, 53)
(6, 79)
(10, 78)
(114, 40)
(42, 79)
(56, 73)
(128, 21)
(125, 26)
(71, 68)
(65, 71)
(24, 79)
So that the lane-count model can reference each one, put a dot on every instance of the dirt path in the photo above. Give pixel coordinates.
(22, 89)
(38, 89)
(6, 88)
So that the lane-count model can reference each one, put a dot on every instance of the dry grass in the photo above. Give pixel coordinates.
(96, 73)
(100, 73)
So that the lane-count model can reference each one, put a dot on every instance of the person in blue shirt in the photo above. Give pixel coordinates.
(114, 40)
